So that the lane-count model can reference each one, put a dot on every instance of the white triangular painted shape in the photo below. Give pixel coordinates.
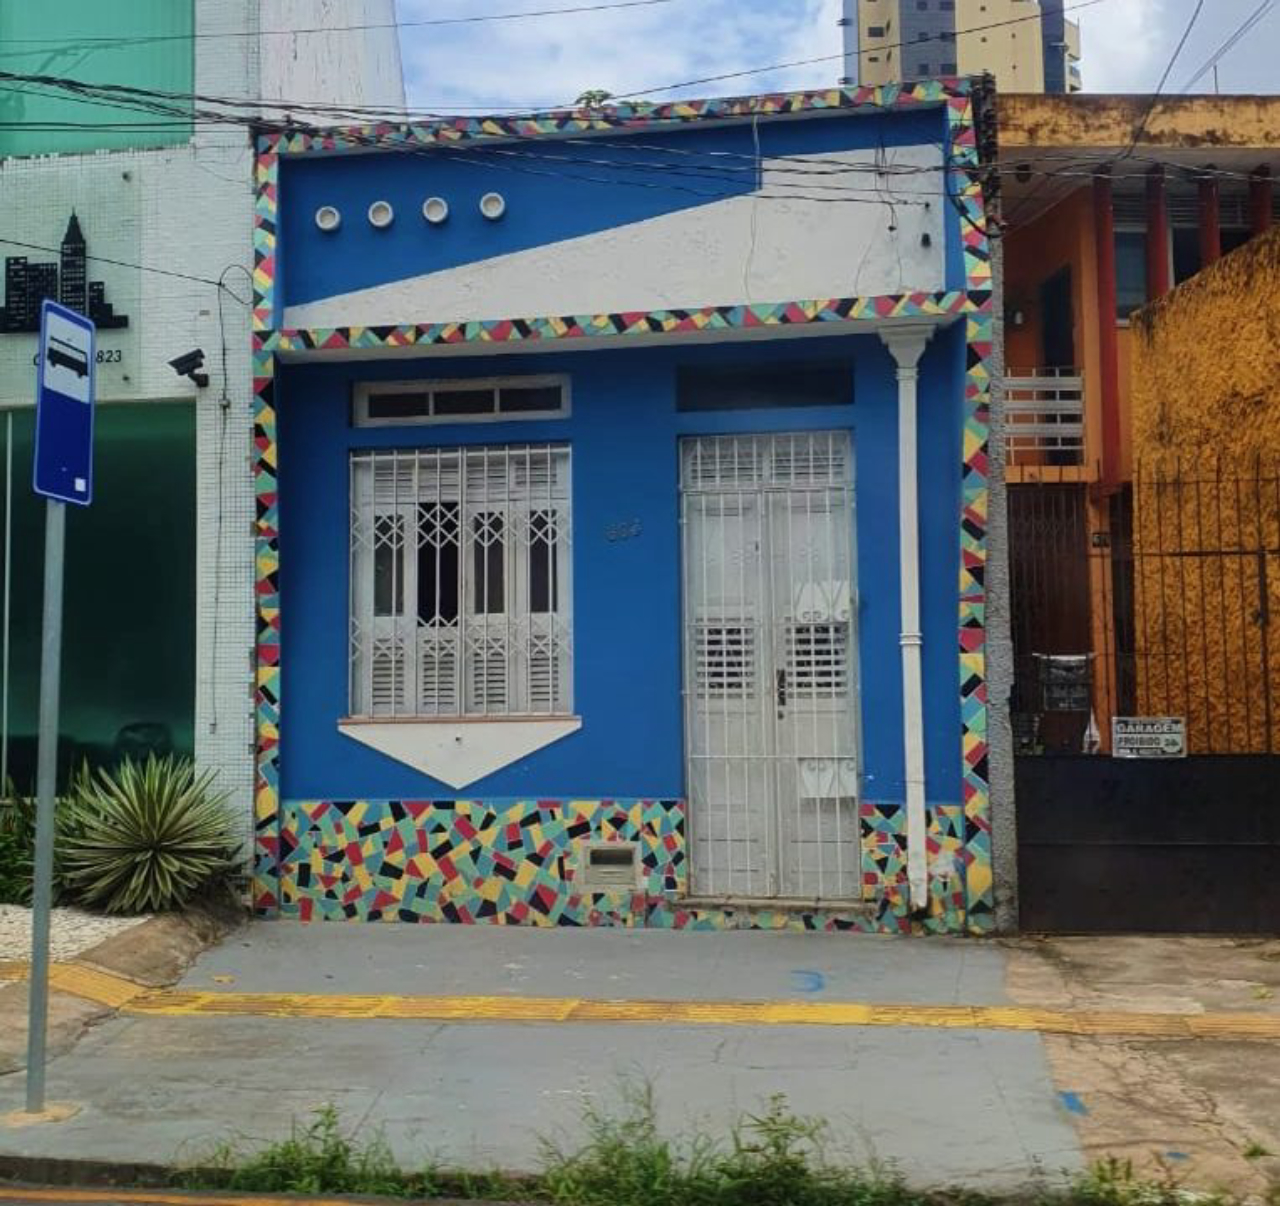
(782, 242)
(459, 754)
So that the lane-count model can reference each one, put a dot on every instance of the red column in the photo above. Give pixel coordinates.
(1210, 226)
(1260, 201)
(1158, 283)
(1104, 235)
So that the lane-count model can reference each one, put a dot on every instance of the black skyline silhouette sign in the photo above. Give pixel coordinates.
(26, 285)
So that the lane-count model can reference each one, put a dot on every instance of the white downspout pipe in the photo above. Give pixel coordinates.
(906, 348)
(849, 28)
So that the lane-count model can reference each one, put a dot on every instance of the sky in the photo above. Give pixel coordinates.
(542, 62)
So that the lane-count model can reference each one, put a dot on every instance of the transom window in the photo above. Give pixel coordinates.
(465, 400)
(460, 582)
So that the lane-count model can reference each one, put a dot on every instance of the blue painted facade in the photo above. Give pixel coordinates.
(555, 191)
(623, 432)
(363, 832)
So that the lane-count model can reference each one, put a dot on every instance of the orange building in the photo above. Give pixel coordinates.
(1109, 202)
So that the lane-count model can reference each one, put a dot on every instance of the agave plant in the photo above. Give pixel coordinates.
(18, 841)
(148, 836)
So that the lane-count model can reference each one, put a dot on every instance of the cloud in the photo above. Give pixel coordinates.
(546, 61)
(1125, 44)
(1128, 43)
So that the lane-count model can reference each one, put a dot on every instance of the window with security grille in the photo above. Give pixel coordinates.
(460, 582)
(479, 400)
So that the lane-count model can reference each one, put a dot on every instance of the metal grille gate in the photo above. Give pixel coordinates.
(770, 687)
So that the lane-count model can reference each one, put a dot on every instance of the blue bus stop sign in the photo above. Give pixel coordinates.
(64, 406)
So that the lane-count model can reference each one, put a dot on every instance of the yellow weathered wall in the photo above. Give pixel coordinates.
(1106, 120)
(1205, 396)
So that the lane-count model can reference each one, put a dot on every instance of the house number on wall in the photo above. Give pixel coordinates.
(628, 529)
(104, 356)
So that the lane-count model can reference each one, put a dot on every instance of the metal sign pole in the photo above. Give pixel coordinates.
(63, 473)
(46, 799)
(8, 597)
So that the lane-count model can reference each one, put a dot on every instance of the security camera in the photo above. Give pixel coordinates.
(189, 365)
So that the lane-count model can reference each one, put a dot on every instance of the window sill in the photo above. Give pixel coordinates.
(522, 718)
(459, 751)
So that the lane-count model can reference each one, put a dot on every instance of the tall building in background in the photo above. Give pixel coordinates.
(1028, 45)
(1061, 44)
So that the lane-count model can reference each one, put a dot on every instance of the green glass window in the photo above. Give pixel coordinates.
(128, 654)
(145, 44)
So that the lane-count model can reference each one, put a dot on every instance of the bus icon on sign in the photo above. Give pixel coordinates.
(66, 355)
(64, 406)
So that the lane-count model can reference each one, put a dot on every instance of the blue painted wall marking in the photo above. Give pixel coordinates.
(808, 981)
(1073, 1103)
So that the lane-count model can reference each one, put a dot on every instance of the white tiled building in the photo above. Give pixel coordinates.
(162, 226)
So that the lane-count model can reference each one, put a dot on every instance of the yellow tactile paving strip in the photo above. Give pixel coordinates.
(117, 992)
(81, 980)
(706, 1013)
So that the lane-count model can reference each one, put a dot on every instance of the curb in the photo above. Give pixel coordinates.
(156, 953)
(19, 1172)
(58, 1170)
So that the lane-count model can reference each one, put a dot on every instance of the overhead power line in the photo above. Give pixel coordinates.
(1164, 79)
(829, 58)
(361, 113)
(1259, 14)
(74, 43)
(173, 111)
(102, 259)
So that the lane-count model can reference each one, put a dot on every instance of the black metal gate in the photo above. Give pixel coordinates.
(1107, 845)
(1157, 600)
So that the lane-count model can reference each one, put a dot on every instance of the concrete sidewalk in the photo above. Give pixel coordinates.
(964, 1106)
(1207, 1111)
(983, 1064)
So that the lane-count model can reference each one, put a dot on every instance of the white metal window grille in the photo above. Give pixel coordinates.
(461, 400)
(1044, 416)
(460, 582)
(770, 694)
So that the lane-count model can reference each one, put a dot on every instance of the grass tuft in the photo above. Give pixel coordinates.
(1112, 1182)
(319, 1158)
(771, 1158)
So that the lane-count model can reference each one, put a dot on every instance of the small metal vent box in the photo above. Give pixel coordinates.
(611, 865)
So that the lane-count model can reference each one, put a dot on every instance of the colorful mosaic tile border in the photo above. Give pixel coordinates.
(517, 862)
(636, 324)
(633, 117)
(959, 844)
(509, 862)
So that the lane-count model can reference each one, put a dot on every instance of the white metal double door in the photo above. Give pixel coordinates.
(770, 688)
